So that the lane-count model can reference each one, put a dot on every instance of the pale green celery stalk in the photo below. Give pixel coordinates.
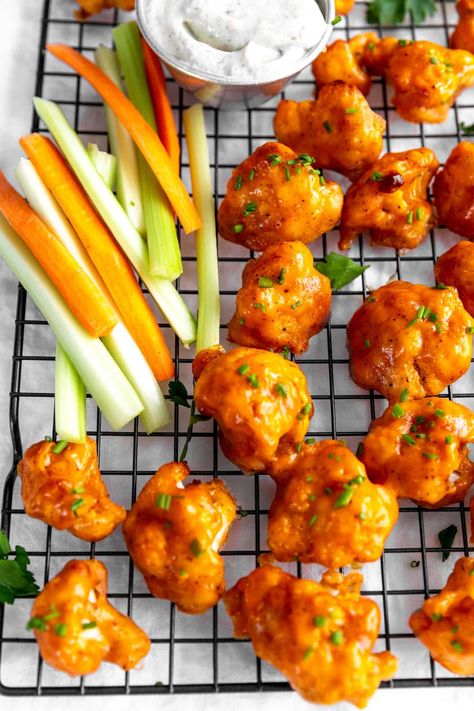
(163, 245)
(99, 372)
(163, 292)
(69, 399)
(104, 163)
(122, 146)
(206, 236)
(119, 342)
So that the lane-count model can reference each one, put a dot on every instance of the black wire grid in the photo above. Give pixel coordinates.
(199, 654)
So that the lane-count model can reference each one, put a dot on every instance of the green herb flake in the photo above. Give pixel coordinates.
(195, 548)
(238, 183)
(297, 305)
(163, 501)
(336, 20)
(344, 498)
(467, 130)
(52, 615)
(36, 623)
(433, 60)
(308, 652)
(470, 330)
(410, 217)
(76, 504)
(436, 616)
(419, 213)
(327, 126)
(60, 630)
(351, 111)
(446, 539)
(237, 229)
(265, 282)
(244, 368)
(397, 411)
(60, 446)
(178, 393)
(89, 625)
(439, 413)
(404, 395)
(274, 159)
(299, 447)
(457, 645)
(376, 176)
(253, 380)
(310, 440)
(409, 440)
(287, 174)
(281, 276)
(367, 343)
(312, 520)
(280, 389)
(260, 306)
(337, 638)
(430, 455)
(250, 208)
(252, 175)
(393, 13)
(319, 621)
(448, 439)
(440, 285)
(322, 181)
(339, 269)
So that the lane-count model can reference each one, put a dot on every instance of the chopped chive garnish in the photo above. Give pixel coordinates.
(195, 548)
(287, 174)
(371, 46)
(52, 615)
(36, 623)
(312, 520)
(436, 616)
(410, 217)
(309, 479)
(319, 621)
(310, 440)
(336, 20)
(455, 629)
(404, 395)
(274, 159)
(312, 497)
(292, 161)
(89, 625)
(163, 501)
(280, 390)
(327, 126)
(409, 440)
(265, 282)
(402, 42)
(430, 455)
(252, 175)
(253, 380)
(249, 208)
(420, 419)
(297, 304)
(440, 285)
(351, 111)
(286, 353)
(77, 490)
(471, 572)
(439, 413)
(367, 343)
(60, 629)
(299, 447)
(419, 213)
(241, 321)
(76, 505)
(322, 181)
(357, 480)
(438, 328)
(244, 368)
(48, 438)
(298, 170)
(371, 299)
(182, 573)
(470, 330)
(337, 638)
(238, 183)
(457, 646)
(60, 447)
(448, 439)
(236, 229)
(344, 498)
(397, 411)
(433, 60)
(260, 306)
(377, 176)
(306, 408)
(281, 276)
(308, 652)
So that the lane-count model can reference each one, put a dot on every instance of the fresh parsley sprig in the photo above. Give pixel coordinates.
(467, 129)
(178, 394)
(446, 539)
(339, 269)
(15, 578)
(393, 12)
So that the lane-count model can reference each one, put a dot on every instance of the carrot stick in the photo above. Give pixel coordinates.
(88, 304)
(163, 111)
(142, 133)
(104, 252)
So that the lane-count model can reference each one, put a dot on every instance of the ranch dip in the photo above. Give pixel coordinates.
(245, 40)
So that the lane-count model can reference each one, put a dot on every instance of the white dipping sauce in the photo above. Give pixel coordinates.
(247, 40)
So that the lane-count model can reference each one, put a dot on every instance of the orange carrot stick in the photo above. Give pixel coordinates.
(88, 304)
(163, 111)
(104, 252)
(140, 130)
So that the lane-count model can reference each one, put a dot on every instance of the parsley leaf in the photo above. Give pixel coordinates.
(467, 130)
(15, 578)
(178, 394)
(392, 12)
(339, 269)
(446, 538)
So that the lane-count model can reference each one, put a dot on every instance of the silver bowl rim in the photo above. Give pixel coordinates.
(228, 81)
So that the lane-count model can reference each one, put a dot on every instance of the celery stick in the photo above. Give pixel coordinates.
(101, 375)
(122, 146)
(119, 342)
(164, 293)
(163, 245)
(69, 400)
(206, 236)
(104, 163)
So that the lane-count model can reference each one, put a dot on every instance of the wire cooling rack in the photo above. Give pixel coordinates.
(198, 654)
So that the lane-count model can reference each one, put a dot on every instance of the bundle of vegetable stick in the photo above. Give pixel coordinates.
(90, 222)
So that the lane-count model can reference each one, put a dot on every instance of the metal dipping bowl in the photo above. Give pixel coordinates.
(224, 92)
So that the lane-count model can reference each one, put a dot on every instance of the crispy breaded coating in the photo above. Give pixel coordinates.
(327, 511)
(445, 623)
(419, 450)
(339, 128)
(174, 535)
(453, 190)
(409, 337)
(277, 196)
(283, 300)
(342, 61)
(463, 35)
(319, 635)
(426, 77)
(456, 268)
(66, 490)
(390, 201)
(92, 7)
(77, 628)
(260, 401)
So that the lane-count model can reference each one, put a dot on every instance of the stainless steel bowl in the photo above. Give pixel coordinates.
(218, 91)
